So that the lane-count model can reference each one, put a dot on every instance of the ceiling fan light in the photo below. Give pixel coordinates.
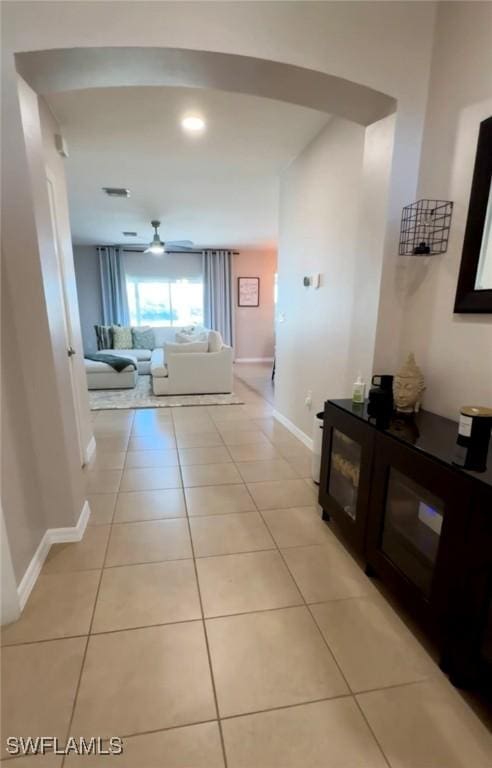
(156, 249)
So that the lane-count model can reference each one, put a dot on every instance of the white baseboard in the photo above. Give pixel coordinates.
(71, 533)
(51, 536)
(253, 360)
(288, 424)
(90, 450)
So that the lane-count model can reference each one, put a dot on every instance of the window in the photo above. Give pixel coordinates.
(165, 302)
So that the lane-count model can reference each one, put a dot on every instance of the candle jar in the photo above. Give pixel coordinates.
(473, 437)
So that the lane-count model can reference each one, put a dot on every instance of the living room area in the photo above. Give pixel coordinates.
(174, 225)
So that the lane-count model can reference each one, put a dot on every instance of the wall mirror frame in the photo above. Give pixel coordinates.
(474, 291)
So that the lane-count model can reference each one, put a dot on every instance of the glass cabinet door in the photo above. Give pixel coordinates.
(343, 483)
(412, 528)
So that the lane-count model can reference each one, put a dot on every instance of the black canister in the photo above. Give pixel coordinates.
(381, 396)
(473, 437)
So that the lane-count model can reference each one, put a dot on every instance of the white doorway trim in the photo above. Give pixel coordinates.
(71, 350)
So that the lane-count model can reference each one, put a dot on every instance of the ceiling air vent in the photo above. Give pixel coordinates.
(116, 192)
(130, 234)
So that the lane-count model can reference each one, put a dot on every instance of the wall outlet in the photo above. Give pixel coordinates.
(309, 399)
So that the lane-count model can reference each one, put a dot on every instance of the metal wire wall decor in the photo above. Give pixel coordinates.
(425, 227)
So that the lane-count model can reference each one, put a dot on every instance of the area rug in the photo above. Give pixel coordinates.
(143, 397)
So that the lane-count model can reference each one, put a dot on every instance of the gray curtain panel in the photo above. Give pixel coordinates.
(113, 286)
(217, 293)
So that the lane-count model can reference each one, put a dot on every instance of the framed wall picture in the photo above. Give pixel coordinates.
(248, 291)
(474, 290)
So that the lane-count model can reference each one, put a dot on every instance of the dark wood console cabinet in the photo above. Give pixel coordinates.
(421, 524)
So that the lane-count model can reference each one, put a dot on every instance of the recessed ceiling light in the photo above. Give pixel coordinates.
(193, 124)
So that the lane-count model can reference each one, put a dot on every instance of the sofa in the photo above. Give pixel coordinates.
(192, 368)
(184, 361)
(143, 356)
(102, 376)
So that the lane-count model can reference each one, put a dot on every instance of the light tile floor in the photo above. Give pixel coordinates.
(211, 619)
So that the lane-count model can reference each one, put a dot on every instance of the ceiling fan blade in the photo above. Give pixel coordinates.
(179, 245)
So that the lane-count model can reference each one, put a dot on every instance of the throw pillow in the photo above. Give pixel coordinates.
(104, 336)
(182, 337)
(122, 337)
(143, 338)
(214, 341)
(189, 346)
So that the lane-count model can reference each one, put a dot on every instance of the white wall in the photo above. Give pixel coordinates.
(376, 227)
(454, 351)
(334, 212)
(25, 506)
(319, 216)
(254, 336)
(9, 598)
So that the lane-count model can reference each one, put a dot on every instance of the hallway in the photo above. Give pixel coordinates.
(257, 377)
(212, 619)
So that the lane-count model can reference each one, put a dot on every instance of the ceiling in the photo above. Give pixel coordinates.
(219, 188)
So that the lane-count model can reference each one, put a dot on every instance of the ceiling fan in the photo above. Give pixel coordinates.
(158, 248)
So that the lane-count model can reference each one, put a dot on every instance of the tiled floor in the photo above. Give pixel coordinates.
(211, 619)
